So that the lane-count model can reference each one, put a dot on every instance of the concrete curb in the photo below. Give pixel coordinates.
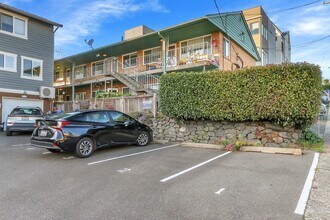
(272, 150)
(205, 146)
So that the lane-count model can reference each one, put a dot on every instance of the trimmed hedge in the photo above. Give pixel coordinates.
(286, 94)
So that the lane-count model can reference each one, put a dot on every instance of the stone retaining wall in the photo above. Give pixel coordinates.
(211, 132)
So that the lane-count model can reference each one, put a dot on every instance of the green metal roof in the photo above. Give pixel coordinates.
(232, 24)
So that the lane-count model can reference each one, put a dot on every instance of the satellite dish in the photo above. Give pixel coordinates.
(90, 43)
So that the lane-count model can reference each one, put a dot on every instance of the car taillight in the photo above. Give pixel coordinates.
(61, 124)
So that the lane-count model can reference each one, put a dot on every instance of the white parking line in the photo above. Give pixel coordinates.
(30, 148)
(129, 155)
(47, 152)
(194, 167)
(20, 145)
(222, 189)
(300, 209)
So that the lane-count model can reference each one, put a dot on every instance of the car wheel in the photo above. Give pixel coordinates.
(54, 150)
(85, 147)
(9, 133)
(142, 139)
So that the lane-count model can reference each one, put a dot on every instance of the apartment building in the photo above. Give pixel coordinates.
(133, 65)
(273, 45)
(26, 60)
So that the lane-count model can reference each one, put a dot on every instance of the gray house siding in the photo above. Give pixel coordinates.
(39, 45)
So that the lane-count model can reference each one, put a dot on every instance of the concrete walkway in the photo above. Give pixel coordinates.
(318, 205)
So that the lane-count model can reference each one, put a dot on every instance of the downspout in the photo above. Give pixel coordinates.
(163, 40)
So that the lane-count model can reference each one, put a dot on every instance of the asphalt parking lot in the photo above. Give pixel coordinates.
(153, 182)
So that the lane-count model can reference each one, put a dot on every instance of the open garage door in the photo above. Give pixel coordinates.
(8, 104)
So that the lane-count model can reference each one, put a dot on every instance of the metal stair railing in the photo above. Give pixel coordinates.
(137, 81)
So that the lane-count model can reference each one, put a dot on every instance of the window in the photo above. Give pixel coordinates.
(119, 118)
(32, 68)
(226, 48)
(152, 56)
(80, 96)
(68, 76)
(8, 62)
(264, 32)
(196, 48)
(126, 91)
(97, 68)
(264, 57)
(130, 60)
(58, 76)
(11, 24)
(100, 117)
(254, 27)
(80, 72)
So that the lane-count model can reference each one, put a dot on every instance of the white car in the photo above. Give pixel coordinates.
(22, 119)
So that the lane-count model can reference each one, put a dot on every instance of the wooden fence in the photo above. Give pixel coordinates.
(126, 104)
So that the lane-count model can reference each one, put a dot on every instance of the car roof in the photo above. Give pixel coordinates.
(27, 107)
(97, 110)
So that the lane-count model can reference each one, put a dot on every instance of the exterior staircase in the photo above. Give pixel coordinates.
(136, 81)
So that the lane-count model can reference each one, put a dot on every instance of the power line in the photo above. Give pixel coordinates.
(292, 8)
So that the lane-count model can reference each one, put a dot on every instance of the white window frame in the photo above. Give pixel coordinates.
(226, 53)
(5, 54)
(251, 26)
(114, 90)
(75, 73)
(203, 37)
(83, 94)
(264, 32)
(15, 16)
(96, 64)
(129, 54)
(40, 78)
(144, 63)
(264, 57)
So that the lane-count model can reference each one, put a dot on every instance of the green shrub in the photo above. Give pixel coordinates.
(285, 94)
(311, 141)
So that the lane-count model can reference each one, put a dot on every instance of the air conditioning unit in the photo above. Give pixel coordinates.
(47, 92)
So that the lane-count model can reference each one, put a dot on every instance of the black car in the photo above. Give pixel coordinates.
(85, 131)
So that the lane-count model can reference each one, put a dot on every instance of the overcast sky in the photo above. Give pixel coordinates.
(106, 20)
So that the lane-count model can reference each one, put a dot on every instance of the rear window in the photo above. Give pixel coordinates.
(62, 115)
(26, 111)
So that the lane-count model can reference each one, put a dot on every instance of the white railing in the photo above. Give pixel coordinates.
(195, 52)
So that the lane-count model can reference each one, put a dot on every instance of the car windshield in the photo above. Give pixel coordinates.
(61, 115)
(26, 111)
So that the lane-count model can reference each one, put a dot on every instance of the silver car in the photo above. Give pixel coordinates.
(22, 119)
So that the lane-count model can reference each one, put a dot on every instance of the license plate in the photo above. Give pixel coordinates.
(43, 133)
(25, 118)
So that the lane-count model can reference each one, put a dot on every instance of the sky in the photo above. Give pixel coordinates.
(106, 20)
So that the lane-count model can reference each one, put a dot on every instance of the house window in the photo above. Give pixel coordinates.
(58, 76)
(32, 68)
(264, 57)
(80, 72)
(126, 91)
(68, 76)
(97, 68)
(254, 27)
(11, 24)
(8, 62)
(264, 32)
(80, 96)
(152, 56)
(226, 48)
(129, 60)
(196, 48)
